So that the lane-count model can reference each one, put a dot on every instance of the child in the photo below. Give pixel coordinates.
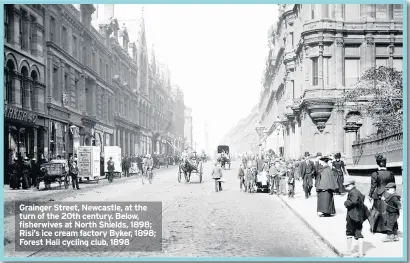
(291, 180)
(241, 176)
(392, 200)
(356, 215)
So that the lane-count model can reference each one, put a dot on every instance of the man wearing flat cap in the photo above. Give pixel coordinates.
(307, 172)
(393, 206)
(357, 213)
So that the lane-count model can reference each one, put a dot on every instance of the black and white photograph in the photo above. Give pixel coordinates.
(204, 131)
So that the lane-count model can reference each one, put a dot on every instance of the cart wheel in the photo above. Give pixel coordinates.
(66, 182)
(179, 174)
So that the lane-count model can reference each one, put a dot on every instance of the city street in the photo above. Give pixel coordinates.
(197, 221)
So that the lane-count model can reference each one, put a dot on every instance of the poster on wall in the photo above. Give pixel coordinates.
(88, 158)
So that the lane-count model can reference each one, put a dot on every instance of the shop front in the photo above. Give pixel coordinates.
(59, 135)
(25, 135)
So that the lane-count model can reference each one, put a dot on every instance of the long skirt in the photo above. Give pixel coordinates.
(14, 181)
(379, 222)
(340, 180)
(282, 185)
(325, 202)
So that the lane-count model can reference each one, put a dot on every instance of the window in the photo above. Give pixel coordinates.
(315, 72)
(52, 28)
(382, 12)
(352, 12)
(64, 32)
(398, 64)
(33, 33)
(352, 71)
(77, 94)
(291, 40)
(93, 61)
(382, 62)
(326, 71)
(21, 34)
(107, 75)
(292, 83)
(55, 83)
(312, 11)
(66, 85)
(84, 51)
(398, 12)
(326, 10)
(6, 23)
(75, 47)
(100, 67)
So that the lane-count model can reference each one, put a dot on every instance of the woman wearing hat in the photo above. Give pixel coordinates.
(325, 187)
(26, 173)
(14, 174)
(340, 170)
(379, 180)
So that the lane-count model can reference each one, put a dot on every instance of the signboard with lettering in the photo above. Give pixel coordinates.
(54, 168)
(19, 114)
(88, 158)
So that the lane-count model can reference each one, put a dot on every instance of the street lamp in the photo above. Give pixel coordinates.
(260, 130)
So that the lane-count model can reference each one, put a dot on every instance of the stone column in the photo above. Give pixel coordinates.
(27, 81)
(306, 67)
(339, 11)
(63, 88)
(339, 57)
(35, 143)
(370, 52)
(297, 139)
(339, 136)
(16, 82)
(15, 27)
(320, 64)
(351, 129)
(94, 99)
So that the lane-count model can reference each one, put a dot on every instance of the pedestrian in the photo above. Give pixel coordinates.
(297, 169)
(217, 175)
(74, 175)
(15, 174)
(379, 180)
(393, 203)
(26, 173)
(35, 170)
(291, 180)
(340, 170)
(307, 172)
(282, 178)
(241, 177)
(318, 167)
(111, 169)
(274, 176)
(357, 213)
(326, 185)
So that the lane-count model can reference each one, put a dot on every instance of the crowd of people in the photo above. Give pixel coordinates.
(326, 174)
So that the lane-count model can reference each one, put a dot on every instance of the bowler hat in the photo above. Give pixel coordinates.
(307, 154)
(325, 158)
(391, 185)
(318, 154)
(352, 182)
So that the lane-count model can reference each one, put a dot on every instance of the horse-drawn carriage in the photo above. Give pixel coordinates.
(162, 161)
(224, 158)
(56, 171)
(187, 167)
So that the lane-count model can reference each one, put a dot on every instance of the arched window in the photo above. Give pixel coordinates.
(33, 91)
(9, 82)
(24, 86)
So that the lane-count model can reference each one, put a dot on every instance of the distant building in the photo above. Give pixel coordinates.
(188, 128)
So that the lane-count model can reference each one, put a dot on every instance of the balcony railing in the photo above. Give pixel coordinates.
(389, 145)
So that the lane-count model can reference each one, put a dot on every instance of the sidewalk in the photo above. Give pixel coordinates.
(332, 229)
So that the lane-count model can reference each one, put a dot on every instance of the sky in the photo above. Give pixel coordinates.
(216, 54)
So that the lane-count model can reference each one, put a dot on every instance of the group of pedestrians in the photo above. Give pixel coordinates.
(23, 172)
(326, 174)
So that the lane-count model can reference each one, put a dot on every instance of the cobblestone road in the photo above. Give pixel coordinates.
(200, 222)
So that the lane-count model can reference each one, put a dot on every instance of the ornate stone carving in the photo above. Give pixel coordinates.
(319, 111)
(369, 41)
(352, 126)
(339, 42)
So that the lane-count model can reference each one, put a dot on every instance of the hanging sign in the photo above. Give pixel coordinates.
(19, 114)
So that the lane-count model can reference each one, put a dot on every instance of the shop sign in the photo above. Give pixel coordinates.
(19, 114)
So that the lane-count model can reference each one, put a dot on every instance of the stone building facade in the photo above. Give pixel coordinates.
(188, 129)
(25, 112)
(319, 50)
(101, 87)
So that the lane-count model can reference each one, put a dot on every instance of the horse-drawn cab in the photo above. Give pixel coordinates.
(190, 164)
(224, 158)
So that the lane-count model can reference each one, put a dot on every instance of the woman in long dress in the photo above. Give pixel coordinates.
(340, 170)
(379, 180)
(326, 186)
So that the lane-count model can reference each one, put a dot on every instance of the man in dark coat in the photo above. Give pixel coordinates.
(14, 171)
(35, 171)
(26, 173)
(307, 172)
(74, 174)
(357, 213)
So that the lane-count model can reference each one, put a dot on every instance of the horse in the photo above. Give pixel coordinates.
(187, 168)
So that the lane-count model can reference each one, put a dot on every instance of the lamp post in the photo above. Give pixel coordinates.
(260, 130)
(279, 126)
